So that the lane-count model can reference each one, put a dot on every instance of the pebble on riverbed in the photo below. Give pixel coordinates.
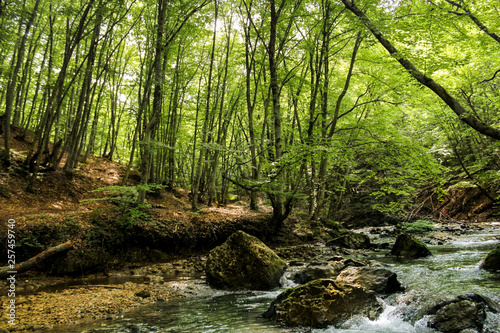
(44, 310)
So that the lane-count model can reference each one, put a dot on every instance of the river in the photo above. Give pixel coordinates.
(451, 271)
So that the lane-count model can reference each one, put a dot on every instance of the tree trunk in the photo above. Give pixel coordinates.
(54, 103)
(11, 87)
(84, 107)
(198, 174)
(250, 63)
(277, 197)
(150, 126)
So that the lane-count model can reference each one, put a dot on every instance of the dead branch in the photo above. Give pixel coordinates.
(28, 264)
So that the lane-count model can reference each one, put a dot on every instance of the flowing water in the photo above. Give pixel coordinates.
(451, 271)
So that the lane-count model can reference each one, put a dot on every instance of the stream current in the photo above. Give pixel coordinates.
(451, 271)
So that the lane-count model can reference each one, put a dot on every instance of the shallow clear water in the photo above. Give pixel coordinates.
(451, 271)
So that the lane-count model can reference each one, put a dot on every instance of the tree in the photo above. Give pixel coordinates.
(11, 87)
(163, 42)
(463, 114)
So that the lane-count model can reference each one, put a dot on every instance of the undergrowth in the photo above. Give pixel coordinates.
(418, 226)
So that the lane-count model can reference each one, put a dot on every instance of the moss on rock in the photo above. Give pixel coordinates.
(322, 302)
(244, 262)
(492, 261)
(408, 247)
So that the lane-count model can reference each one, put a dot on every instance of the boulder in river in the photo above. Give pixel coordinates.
(492, 261)
(465, 312)
(351, 240)
(314, 272)
(319, 270)
(377, 279)
(322, 302)
(408, 247)
(244, 262)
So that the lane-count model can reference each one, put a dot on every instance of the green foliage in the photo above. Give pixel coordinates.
(125, 198)
(418, 227)
(390, 136)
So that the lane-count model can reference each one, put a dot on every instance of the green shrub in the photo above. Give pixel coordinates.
(418, 226)
(125, 198)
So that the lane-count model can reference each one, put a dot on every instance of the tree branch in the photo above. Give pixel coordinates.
(26, 265)
(493, 77)
(474, 19)
(441, 92)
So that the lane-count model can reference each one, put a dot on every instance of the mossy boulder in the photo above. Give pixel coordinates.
(351, 240)
(244, 262)
(492, 261)
(322, 302)
(408, 247)
(324, 270)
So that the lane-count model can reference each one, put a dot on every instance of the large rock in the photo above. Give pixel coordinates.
(244, 262)
(492, 261)
(464, 312)
(324, 270)
(316, 271)
(351, 240)
(408, 247)
(377, 279)
(322, 302)
(455, 317)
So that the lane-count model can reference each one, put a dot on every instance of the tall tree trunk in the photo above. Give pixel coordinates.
(83, 109)
(328, 134)
(249, 64)
(199, 167)
(150, 126)
(277, 197)
(222, 122)
(11, 87)
(54, 103)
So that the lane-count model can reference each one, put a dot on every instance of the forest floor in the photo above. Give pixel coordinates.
(171, 240)
(59, 194)
(60, 200)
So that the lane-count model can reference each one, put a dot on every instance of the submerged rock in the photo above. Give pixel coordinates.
(408, 247)
(492, 261)
(322, 302)
(244, 262)
(351, 240)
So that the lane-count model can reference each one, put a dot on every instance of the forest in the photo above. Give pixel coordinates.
(311, 102)
(134, 126)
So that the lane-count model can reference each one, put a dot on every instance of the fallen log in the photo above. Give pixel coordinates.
(28, 264)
